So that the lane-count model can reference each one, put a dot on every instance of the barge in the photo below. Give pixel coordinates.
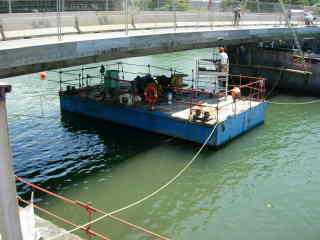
(166, 101)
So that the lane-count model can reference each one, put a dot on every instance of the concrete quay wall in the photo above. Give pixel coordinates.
(26, 25)
(34, 55)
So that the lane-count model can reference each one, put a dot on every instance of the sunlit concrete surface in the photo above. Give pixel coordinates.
(48, 230)
(23, 56)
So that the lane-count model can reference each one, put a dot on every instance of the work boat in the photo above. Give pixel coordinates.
(209, 106)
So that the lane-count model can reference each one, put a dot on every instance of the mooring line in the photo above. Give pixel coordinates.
(294, 103)
(149, 195)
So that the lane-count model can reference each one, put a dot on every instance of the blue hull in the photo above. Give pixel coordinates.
(159, 122)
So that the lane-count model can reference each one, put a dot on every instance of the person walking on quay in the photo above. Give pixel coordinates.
(308, 19)
(289, 15)
(236, 16)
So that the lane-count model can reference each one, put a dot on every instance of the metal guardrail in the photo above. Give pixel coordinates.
(23, 6)
(30, 18)
(89, 210)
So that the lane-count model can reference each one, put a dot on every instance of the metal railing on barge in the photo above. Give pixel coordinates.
(251, 88)
(83, 76)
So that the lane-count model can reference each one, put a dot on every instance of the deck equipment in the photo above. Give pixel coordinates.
(166, 101)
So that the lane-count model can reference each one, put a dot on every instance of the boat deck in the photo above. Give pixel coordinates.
(226, 109)
(219, 108)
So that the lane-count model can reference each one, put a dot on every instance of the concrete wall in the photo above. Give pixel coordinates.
(44, 20)
(44, 54)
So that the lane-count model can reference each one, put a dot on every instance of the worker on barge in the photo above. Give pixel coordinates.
(224, 61)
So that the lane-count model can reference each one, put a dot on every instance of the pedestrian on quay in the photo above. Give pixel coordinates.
(289, 14)
(308, 19)
(236, 15)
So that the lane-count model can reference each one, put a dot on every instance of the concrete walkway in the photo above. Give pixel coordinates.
(23, 56)
(46, 40)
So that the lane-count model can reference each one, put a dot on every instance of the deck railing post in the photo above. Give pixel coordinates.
(87, 80)
(79, 78)
(10, 227)
(89, 212)
(174, 8)
(9, 6)
(192, 79)
(60, 80)
(82, 75)
(217, 111)
(126, 10)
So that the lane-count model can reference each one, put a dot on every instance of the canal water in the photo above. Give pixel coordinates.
(263, 185)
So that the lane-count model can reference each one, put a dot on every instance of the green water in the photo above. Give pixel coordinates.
(263, 185)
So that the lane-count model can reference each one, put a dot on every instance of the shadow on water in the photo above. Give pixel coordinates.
(116, 138)
(81, 147)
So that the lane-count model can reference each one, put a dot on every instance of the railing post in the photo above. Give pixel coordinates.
(3, 36)
(82, 75)
(174, 8)
(218, 111)
(107, 5)
(60, 7)
(87, 80)
(192, 79)
(89, 212)
(211, 14)
(10, 227)
(60, 80)
(79, 76)
(9, 6)
(126, 10)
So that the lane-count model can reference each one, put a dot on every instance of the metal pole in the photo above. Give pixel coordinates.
(258, 6)
(59, 7)
(127, 16)
(10, 6)
(107, 5)
(10, 227)
(175, 14)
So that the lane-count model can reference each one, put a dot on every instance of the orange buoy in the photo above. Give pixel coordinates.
(235, 93)
(43, 75)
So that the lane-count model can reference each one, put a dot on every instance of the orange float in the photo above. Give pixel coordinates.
(43, 75)
(235, 93)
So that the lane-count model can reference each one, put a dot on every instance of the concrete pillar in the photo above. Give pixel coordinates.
(10, 228)
(126, 10)
(107, 5)
(9, 6)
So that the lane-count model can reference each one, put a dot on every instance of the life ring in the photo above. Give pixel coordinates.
(151, 94)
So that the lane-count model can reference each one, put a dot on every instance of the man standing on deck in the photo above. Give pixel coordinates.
(224, 60)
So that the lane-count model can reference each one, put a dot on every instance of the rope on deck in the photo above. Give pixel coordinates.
(172, 180)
